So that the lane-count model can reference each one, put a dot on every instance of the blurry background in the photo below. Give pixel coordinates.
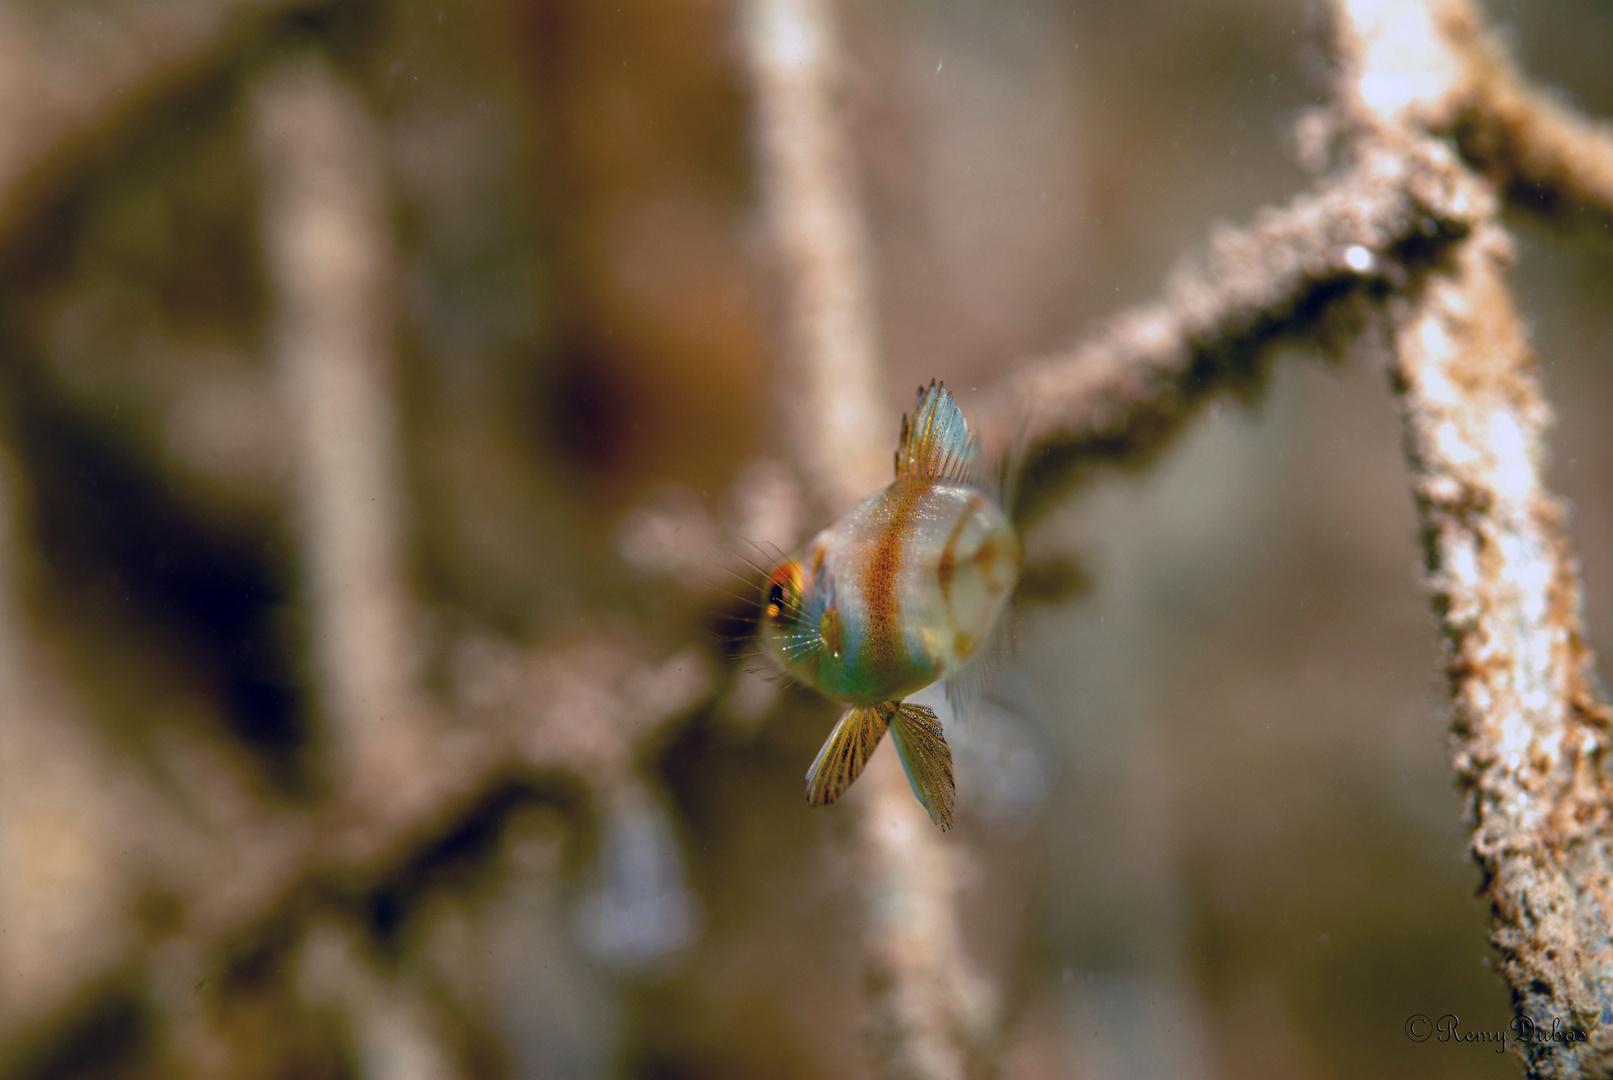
(1210, 828)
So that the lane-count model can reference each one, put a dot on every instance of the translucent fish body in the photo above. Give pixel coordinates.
(904, 590)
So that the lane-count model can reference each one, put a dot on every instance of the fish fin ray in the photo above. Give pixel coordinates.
(967, 689)
(844, 753)
(926, 759)
(936, 443)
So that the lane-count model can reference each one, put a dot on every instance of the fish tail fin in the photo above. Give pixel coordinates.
(926, 759)
(936, 443)
(845, 752)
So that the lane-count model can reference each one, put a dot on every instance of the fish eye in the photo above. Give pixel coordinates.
(784, 590)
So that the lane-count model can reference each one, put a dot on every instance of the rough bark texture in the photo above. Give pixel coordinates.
(1544, 157)
(1430, 135)
(1296, 274)
(1530, 722)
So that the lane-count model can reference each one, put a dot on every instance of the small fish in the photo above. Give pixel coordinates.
(907, 589)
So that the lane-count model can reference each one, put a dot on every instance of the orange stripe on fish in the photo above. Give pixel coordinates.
(907, 587)
(884, 649)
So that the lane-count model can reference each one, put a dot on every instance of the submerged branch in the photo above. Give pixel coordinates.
(1403, 234)
(1406, 228)
(1532, 730)
(1530, 722)
(1541, 154)
(838, 426)
(930, 1011)
(1292, 275)
(330, 253)
(64, 88)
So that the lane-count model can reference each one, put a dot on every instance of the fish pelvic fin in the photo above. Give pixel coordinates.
(926, 759)
(846, 751)
(936, 443)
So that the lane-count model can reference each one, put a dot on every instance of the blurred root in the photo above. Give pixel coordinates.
(831, 393)
(64, 87)
(924, 994)
(325, 224)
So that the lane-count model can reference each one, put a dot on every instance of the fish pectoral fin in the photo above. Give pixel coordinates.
(967, 688)
(845, 752)
(926, 759)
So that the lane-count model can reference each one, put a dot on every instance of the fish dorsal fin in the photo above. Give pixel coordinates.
(936, 444)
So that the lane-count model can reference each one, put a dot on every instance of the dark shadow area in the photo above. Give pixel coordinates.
(118, 542)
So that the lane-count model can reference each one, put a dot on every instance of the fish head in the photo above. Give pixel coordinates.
(800, 623)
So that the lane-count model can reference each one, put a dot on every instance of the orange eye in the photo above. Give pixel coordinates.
(784, 590)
